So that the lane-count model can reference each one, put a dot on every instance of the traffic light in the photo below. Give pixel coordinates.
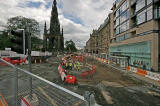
(19, 40)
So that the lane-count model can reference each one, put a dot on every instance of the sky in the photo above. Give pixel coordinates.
(78, 17)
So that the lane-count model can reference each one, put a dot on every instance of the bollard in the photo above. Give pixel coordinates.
(40, 61)
(35, 61)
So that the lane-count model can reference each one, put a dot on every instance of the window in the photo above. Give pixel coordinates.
(157, 11)
(117, 13)
(117, 21)
(124, 6)
(149, 1)
(140, 4)
(124, 16)
(149, 13)
(117, 30)
(127, 25)
(141, 17)
(126, 36)
(118, 2)
(123, 27)
(127, 3)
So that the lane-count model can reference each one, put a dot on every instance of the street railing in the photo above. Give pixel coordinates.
(16, 88)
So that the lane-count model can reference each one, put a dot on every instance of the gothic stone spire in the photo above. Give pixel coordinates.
(54, 22)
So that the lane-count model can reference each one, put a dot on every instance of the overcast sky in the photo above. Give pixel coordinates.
(78, 17)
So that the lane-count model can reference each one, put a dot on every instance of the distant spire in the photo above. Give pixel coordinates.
(62, 31)
(54, 22)
(45, 28)
(55, 2)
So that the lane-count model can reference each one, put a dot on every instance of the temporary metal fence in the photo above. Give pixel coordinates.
(15, 87)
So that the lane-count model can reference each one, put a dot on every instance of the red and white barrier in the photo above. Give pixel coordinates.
(66, 78)
(2, 101)
(61, 72)
(88, 73)
(144, 73)
(13, 61)
(25, 101)
(148, 74)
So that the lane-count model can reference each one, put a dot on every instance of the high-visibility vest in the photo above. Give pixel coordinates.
(70, 64)
(79, 65)
(74, 65)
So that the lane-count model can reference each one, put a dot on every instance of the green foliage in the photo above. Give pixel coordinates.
(36, 43)
(5, 41)
(70, 46)
(20, 22)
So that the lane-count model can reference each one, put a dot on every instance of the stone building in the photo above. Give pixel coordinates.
(53, 38)
(100, 39)
(134, 33)
(103, 38)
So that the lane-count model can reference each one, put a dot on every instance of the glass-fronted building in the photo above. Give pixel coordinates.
(136, 32)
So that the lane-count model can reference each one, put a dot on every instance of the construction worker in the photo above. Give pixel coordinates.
(79, 65)
(66, 65)
(75, 65)
(70, 65)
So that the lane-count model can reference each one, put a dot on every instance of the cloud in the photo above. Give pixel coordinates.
(78, 17)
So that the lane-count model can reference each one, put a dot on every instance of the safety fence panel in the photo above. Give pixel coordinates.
(17, 89)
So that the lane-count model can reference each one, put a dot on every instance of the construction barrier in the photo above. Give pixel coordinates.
(13, 61)
(25, 101)
(141, 72)
(148, 74)
(88, 73)
(66, 78)
(2, 101)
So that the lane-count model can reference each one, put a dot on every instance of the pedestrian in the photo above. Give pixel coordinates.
(66, 65)
(70, 65)
(75, 65)
(78, 63)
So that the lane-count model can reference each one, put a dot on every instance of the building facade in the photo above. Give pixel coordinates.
(53, 38)
(103, 38)
(99, 39)
(135, 32)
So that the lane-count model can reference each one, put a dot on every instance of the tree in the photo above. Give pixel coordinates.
(20, 22)
(5, 41)
(36, 43)
(70, 46)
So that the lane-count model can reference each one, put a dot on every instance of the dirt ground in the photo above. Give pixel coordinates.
(115, 88)
(104, 73)
(109, 86)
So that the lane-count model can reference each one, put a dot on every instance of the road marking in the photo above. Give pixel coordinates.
(47, 96)
(76, 104)
(2, 101)
(107, 97)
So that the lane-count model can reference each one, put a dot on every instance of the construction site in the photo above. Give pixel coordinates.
(98, 83)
